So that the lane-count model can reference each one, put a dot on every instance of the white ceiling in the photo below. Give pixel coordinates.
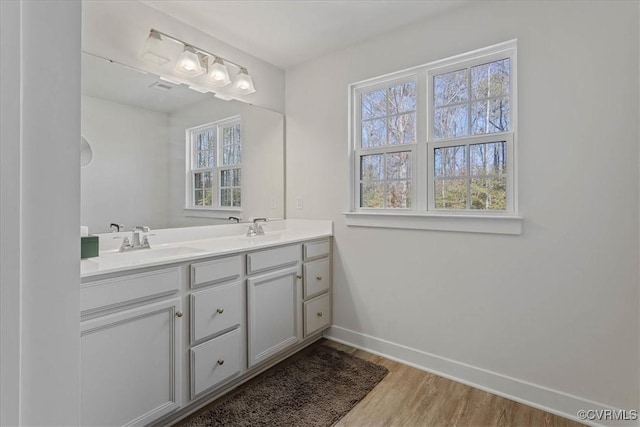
(286, 33)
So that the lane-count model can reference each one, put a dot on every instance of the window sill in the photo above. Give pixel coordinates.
(216, 213)
(494, 224)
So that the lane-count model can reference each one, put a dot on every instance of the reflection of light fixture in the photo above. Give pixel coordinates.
(189, 62)
(193, 62)
(243, 82)
(154, 49)
(218, 73)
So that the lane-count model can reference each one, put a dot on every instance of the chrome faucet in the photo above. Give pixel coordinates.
(135, 244)
(256, 229)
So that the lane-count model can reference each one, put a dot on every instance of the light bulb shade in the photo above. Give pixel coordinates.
(154, 49)
(218, 73)
(243, 83)
(189, 63)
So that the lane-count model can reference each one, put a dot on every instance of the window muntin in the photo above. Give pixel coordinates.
(214, 177)
(462, 161)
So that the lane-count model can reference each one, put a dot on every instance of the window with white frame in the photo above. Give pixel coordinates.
(214, 168)
(438, 138)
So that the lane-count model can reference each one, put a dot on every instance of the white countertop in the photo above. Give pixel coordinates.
(193, 243)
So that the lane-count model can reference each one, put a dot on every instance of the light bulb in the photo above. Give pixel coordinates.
(154, 49)
(243, 82)
(218, 73)
(189, 63)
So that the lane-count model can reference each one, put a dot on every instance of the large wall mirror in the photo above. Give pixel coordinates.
(148, 168)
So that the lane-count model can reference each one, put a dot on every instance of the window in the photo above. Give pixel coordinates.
(214, 167)
(438, 139)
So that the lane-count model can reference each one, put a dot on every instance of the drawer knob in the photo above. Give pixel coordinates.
(319, 314)
(299, 277)
(220, 310)
(221, 362)
(178, 314)
(319, 278)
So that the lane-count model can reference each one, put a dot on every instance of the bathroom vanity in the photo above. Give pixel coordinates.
(166, 330)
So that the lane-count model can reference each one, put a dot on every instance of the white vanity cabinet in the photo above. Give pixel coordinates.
(130, 357)
(159, 341)
(317, 286)
(273, 302)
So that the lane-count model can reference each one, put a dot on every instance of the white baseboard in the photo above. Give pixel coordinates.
(546, 399)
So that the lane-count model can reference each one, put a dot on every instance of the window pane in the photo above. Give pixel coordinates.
(490, 79)
(450, 161)
(490, 116)
(398, 165)
(372, 167)
(236, 197)
(198, 199)
(208, 197)
(488, 159)
(450, 122)
(450, 88)
(399, 194)
(374, 104)
(230, 178)
(402, 98)
(402, 129)
(225, 197)
(197, 180)
(450, 193)
(489, 193)
(372, 195)
(374, 133)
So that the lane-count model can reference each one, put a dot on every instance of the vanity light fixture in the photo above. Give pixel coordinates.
(243, 82)
(154, 49)
(194, 62)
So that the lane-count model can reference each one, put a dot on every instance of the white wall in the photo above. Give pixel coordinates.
(262, 159)
(127, 181)
(557, 306)
(41, 268)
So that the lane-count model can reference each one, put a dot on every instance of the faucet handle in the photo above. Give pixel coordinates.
(256, 220)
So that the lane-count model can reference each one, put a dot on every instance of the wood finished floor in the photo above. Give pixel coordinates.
(409, 397)
(413, 398)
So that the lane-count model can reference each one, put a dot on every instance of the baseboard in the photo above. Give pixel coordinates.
(546, 399)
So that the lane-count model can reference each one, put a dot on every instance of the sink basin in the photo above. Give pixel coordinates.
(143, 255)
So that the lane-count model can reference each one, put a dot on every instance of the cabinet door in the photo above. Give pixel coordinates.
(130, 365)
(274, 315)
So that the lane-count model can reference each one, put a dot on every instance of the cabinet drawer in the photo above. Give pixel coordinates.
(317, 277)
(214, 310)
(272, 258)
(216, 271)
(215, 361)
(121, 291)
(315, 250)
(317, 314)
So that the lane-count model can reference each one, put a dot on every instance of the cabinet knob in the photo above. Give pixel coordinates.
(299, 277)
(178, 314)
(221, 362)
(220, 310)
(319, 278)
(319, 314)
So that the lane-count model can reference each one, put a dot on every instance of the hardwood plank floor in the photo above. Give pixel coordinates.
(413, 398)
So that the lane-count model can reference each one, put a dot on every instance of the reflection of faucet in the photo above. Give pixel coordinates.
(234, 218)
(126, 246)
(116, 227)
(256, 229)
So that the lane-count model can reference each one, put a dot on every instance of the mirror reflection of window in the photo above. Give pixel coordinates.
(215, 150)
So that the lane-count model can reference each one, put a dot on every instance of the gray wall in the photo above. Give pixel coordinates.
(557, 306)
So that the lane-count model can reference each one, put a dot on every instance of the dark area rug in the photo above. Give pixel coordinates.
(315, 388)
